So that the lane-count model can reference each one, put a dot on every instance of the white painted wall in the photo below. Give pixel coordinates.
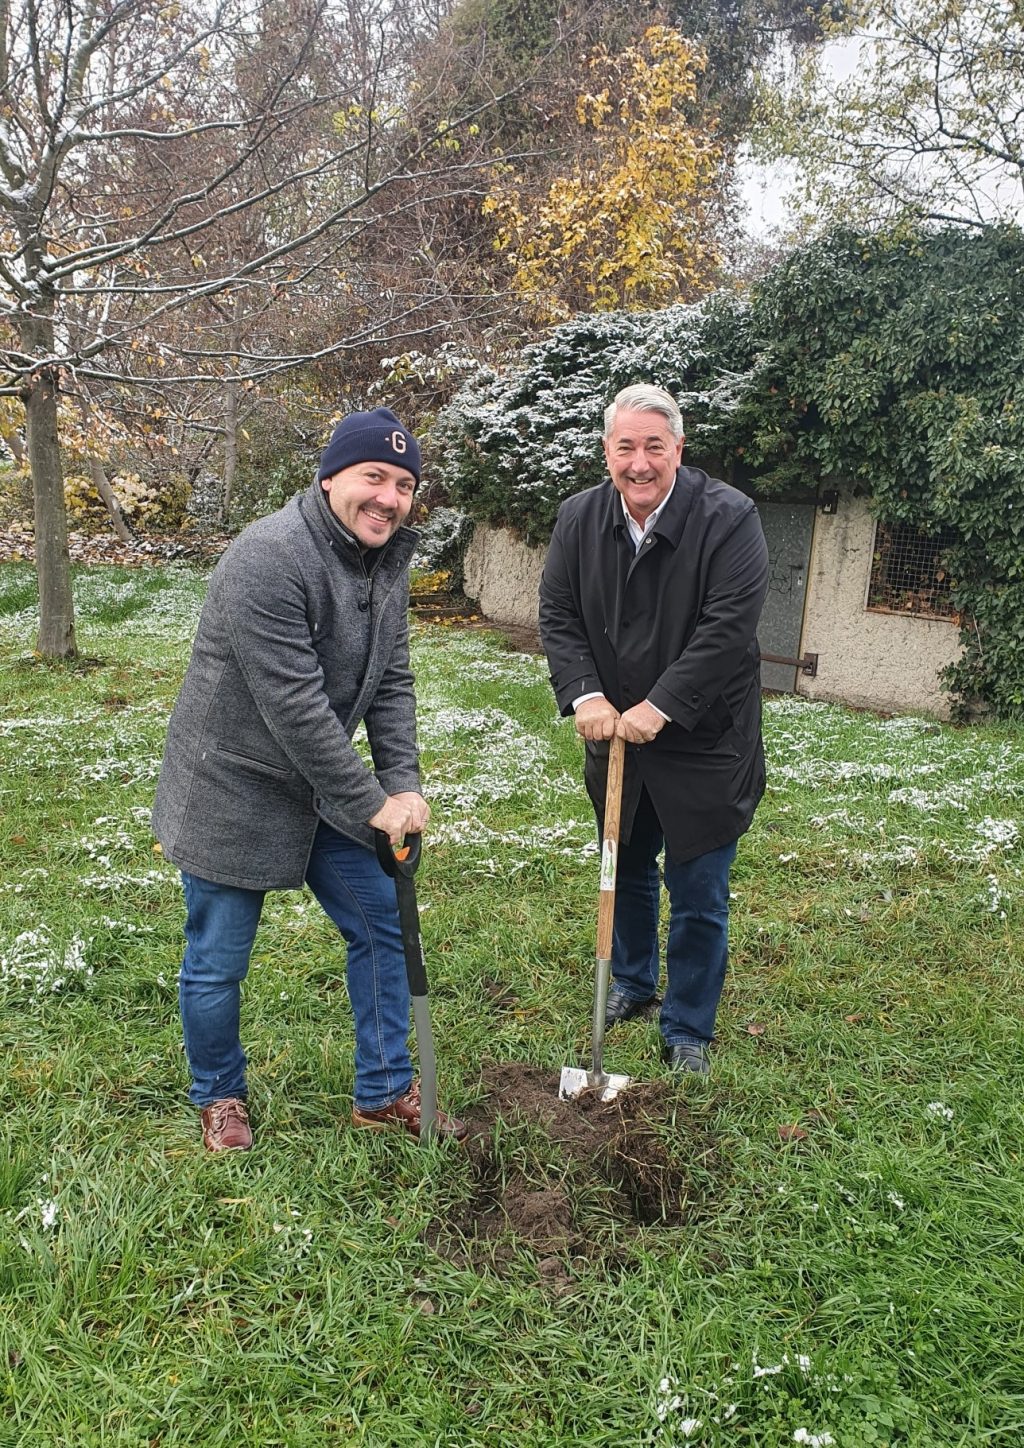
(873, 660)
(502, 575)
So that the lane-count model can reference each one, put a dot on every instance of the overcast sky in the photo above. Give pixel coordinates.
(763, 188)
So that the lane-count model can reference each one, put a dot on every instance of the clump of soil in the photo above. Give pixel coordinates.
(559, 1180)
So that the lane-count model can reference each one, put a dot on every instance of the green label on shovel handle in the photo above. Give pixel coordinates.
(608, 865)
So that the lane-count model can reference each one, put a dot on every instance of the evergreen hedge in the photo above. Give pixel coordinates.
(894, 361)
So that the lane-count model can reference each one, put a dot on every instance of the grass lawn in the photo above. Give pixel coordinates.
(853, 1275)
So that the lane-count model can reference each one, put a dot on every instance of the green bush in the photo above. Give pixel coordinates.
(895, 362)
(277, 459)
(512, 445)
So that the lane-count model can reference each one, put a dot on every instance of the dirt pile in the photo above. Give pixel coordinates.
(559, 1180)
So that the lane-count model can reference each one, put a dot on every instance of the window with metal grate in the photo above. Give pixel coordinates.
(909, 573)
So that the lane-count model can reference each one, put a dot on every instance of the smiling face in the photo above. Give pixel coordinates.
(642, 457)
(372, 500)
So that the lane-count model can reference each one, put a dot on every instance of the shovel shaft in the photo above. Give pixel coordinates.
(610, 847)
(416, 971)
(402, 868)
(412, 944)
(606, 907)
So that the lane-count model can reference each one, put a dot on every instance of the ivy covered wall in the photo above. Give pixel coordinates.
(895, 362)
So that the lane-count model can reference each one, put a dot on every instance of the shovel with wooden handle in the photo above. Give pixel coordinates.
(575, 1079)
(401, 865)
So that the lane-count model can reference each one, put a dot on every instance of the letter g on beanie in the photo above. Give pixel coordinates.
(370, 437)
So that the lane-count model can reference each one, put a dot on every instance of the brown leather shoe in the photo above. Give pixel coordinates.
(404, 1115)
(226, 1125)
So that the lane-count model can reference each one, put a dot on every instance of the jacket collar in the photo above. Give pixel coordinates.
(672, 518)
(317, 511)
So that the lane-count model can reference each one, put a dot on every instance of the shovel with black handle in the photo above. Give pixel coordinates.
(401, 865)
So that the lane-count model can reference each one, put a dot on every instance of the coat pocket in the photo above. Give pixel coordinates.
(714, 724)
(257, 766)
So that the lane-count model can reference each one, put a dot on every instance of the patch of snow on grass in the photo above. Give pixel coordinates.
(38, 964)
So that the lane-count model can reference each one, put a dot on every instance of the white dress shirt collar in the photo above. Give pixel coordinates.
(637, 531)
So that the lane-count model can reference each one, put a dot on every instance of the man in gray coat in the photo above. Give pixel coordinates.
(649, 604)
(303, 636)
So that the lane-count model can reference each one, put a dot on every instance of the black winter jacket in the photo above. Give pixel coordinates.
(675, 623)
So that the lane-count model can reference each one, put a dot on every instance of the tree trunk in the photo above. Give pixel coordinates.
(16, 446)
(99, 481)
(53, 562)
(231, 415)
(106, 492)
(230, 448)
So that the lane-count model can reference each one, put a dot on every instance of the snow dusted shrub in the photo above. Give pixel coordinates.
(514, 443)
(444, 538)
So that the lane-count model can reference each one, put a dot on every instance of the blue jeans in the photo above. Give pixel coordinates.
(698, 931)
(220, 928)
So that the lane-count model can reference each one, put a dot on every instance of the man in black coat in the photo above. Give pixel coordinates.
(649, 604)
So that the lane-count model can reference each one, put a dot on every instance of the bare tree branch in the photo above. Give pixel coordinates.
(929, 123)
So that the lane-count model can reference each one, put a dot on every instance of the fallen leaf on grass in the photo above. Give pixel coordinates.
(756, 1030)
(852, 1020)
(792, 1133)
(17, 839)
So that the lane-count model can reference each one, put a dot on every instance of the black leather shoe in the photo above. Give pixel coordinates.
(688, 1057)
(621, 1007)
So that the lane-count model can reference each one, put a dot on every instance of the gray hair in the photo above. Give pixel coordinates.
(645, 397)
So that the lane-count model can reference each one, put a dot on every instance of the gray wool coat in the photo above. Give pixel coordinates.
(301, 638)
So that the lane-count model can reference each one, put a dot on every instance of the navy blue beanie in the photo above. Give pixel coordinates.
(370, 437)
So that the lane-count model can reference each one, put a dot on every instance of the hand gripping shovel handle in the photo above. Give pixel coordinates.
(401, 865)
(606, 904)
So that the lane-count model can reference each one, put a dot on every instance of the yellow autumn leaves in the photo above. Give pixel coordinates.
(631, 223)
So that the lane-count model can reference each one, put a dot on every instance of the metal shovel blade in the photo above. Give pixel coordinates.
(575, 1082)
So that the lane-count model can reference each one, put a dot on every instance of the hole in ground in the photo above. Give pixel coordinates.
(556, 1180)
